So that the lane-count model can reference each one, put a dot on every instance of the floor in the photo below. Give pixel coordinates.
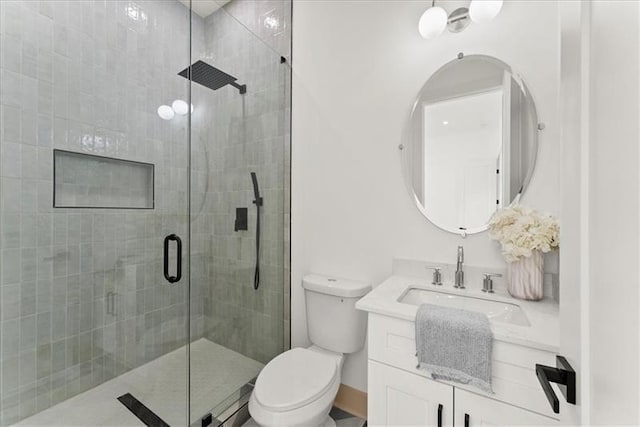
(217, 372)
(342, 419)
(345, 419)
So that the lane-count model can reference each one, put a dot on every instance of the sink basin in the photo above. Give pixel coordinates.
(496, 311)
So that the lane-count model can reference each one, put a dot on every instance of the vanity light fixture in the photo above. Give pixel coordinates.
(435, 19)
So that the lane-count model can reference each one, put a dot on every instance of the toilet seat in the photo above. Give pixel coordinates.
(294, 379)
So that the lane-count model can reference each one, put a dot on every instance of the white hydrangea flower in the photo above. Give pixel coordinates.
(521, 230)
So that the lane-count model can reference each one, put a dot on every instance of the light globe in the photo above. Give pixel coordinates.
(482, 11)
(432, 22)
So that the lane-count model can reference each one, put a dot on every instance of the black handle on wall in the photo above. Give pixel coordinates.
(564, 375)
(440, 415)
(178, 276)
(242, 217)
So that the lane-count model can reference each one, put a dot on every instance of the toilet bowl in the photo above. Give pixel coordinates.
(298, 387)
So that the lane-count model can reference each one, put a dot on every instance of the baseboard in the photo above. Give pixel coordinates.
(352, 400)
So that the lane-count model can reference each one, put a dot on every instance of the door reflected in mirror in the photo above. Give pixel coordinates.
(471, 143)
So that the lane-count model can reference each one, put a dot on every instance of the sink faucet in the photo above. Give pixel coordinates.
(459, 278)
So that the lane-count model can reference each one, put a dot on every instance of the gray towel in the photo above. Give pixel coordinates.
(454, 345)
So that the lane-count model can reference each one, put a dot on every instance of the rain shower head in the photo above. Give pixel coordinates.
(211, 77)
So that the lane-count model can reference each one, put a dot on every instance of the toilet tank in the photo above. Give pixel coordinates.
(333, 322)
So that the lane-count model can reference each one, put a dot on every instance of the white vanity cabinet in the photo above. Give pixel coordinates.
(402, 395)
(399, 398)
(525, 333)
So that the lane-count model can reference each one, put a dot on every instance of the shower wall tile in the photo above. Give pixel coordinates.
(10, 296)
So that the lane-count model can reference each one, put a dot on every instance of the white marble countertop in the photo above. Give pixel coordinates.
(543, 334)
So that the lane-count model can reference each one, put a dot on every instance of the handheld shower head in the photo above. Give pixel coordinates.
(258, 203)
(256, 190)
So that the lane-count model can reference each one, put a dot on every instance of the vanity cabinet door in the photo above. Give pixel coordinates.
(398, 398)
(474, 411)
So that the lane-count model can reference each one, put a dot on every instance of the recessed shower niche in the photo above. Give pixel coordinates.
(89, 181)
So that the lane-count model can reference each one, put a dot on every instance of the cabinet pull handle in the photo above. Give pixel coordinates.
(440, 415)
(466, 420)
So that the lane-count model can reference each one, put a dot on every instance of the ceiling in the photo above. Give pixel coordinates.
(205, 8)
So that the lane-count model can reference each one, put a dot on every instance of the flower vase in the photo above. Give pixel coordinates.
(525, 276)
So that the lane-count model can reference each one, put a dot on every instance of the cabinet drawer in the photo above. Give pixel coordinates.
(392, 341)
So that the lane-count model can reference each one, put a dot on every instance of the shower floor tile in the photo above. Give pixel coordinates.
(216, 373)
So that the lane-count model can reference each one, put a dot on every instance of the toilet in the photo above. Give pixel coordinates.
(298, 387)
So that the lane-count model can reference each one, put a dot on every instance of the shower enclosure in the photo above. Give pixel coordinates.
(132, 289)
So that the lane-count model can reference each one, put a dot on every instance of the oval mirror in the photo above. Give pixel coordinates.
(471, 143)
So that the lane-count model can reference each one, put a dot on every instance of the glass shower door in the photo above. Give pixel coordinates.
(155, 315)
(93, 177)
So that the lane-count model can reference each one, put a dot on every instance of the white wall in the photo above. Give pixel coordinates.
(357, 67)
(614, 211)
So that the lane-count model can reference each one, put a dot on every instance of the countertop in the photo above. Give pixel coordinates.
(543, 334)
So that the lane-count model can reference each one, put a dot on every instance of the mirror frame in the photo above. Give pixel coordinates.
(407, 139)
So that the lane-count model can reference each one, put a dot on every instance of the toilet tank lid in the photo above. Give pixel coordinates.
(335, 286)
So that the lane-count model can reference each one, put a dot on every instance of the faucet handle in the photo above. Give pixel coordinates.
(487, 282)
(437, 276)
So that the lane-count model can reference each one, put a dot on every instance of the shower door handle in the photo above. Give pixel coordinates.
(178, 276)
